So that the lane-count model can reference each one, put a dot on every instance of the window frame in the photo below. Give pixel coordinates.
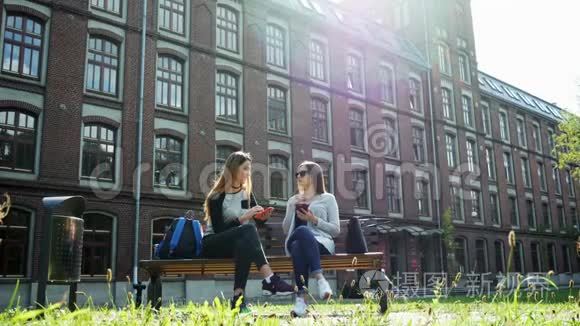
(465, 68)
(17, 132)
(317, 62)
(285, 174)
(101, 66)
(181, 176)
(162, 7)
(354, 73)
(274, 99)
(420, 145)
(227, 89)
(100, 127)
(224, 26)
(112, 243)
(172, 81)
(23, 46)
(276, 45)
(521, 131)
(314, 108)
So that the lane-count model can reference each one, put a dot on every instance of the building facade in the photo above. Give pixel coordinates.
(395, 111)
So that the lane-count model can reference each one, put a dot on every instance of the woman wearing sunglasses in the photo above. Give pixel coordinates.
(311, 222)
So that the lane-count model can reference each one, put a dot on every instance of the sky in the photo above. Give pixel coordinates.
(531, 44)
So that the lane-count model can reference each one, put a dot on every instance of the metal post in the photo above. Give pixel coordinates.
(139, 145)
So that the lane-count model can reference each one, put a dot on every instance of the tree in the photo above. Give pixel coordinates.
(567, 144)
(448, 238)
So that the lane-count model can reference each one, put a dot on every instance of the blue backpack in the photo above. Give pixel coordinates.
(184, 240)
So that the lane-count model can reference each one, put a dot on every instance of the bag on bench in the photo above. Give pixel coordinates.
(181, 241)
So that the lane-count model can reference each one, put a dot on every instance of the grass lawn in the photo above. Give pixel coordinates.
(556, 308)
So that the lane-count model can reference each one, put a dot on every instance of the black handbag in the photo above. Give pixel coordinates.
(355, 238)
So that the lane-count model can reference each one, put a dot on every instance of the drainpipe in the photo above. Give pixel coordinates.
(139, 145)
(433, 134)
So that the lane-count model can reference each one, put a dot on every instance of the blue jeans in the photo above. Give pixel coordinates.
(305, 251)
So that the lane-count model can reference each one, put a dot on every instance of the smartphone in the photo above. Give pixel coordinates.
(263, 215)
(301, 207)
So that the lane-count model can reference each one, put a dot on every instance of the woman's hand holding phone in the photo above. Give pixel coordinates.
(264, 214)
(250, 213)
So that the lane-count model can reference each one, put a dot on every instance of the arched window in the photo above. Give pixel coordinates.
(319, 120)
(99, 147)
(227, 28)
(461, 258)
(97, 244)
(17, 140)
(14, 236)
(278, 176)
(226, 102)
(102, 65)
(23, 38)
(277, 109)
(169, 89)
(168, 162)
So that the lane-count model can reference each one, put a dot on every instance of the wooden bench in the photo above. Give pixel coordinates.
(279, 264)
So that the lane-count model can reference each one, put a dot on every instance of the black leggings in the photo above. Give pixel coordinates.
(241, 243)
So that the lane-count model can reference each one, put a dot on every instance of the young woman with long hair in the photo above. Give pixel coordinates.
(229, 207)
(311, 223)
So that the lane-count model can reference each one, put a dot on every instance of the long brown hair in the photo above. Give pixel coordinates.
(230, 169)
(315, 171)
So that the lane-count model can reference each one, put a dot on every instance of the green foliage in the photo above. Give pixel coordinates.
(448, 229)
(567, 144)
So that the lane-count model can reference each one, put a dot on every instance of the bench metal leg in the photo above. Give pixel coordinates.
(154, 291)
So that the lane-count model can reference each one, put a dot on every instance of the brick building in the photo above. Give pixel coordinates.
(283, 80)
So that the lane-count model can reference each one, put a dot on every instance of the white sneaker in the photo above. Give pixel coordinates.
(324, 290)
(299, 309)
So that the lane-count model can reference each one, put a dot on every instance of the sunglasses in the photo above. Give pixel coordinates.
(301, 173)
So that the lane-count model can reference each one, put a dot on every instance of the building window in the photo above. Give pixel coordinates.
(447, 100)
(227, 96)
(451, 150)
(476, 206)
(171, 16)
(536, 257)
(557, 182)
(537, 137)
(444, 59)
(158, 229)
(521, 132)
(359, 182)
(227, 28)
(547, 216)
(278, 177)
(467, 110)
(357, 128)
(552, 259)
(422, 196)
(277, 109)
(503, 126)
(508, 167)
(317, 60)
(531, 214)
(319, 120)
(276, 46)
(168, 162)
(472, 162)
(567, 261)
(490, 160)
(514, 214)
(354, 73)
(22, 52)
(495, 210)
(499, 257)
(542, 176)
(415, 98)
(393, 194)
(456, 208)
(570, 183)
(461, 254)
(486, 118)
(222, 154)
(98, 161)
(392, 138)
(519, 258)
(480, 256)
(573, 219)
(97, 244)
(102, 66)
(526, 172)
(418, 144)
(550, 142)
(14, 232)
(561, 218)
(17, 140)
(464, 68)
(387, 84)
(112, 6)
(169, 82)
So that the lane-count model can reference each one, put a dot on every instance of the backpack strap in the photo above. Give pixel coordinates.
(198, 234)
(176, 235)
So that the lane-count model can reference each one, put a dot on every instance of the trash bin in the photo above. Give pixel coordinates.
(65, 232)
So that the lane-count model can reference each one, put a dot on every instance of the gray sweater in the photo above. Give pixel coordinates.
(324, 207)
